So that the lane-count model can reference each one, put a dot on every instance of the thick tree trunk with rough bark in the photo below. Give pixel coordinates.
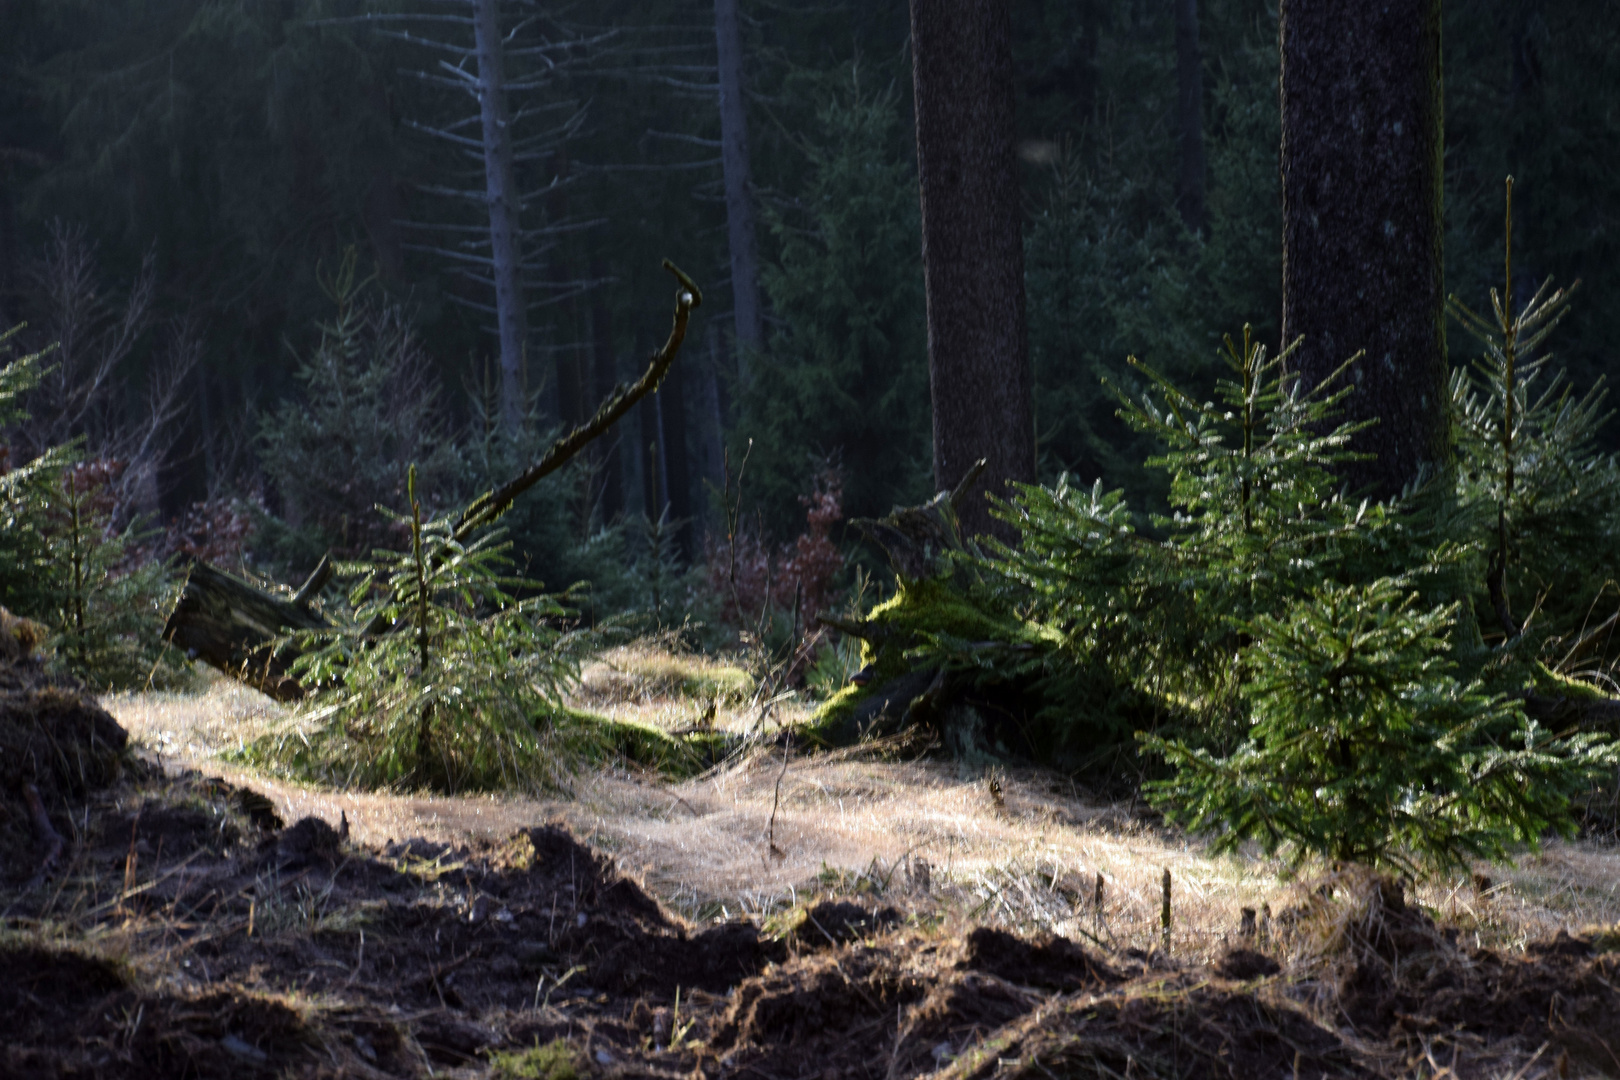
(1190, 115)
(747, 315)
(973, 251)
(1361, 185)
(505, 236)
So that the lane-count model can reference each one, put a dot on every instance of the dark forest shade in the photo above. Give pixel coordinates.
(1190, 113)
(973, 255)
(747, 314)
(1361, 190)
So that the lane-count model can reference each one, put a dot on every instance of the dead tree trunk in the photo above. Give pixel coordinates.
(605, 375)
(739, 206)
(500, 184)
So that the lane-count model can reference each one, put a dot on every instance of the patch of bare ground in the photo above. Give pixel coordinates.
(913, 919)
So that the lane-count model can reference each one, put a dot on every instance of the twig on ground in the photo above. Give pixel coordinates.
(776, 801)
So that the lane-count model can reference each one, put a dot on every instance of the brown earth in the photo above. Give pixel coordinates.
(189, 933)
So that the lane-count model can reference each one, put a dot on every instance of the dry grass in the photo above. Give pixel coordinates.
(1027, 858)
(649, 685)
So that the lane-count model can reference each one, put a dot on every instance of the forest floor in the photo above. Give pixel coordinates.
(825, 916)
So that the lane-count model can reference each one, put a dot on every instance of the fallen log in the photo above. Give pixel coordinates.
(233, 625)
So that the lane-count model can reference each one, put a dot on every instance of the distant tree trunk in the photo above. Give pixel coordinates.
(973, 250)
(568, 361)
(748, 320)
(505, 237)
(1190, 111)
(650, 451)
(676, 461)
(1361, 192)
(1522, 91)
(604, 378)
(713, 425)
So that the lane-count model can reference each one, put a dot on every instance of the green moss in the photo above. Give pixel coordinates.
(932, 606)
(1549, 682)
(598, 739)
(553, 1061)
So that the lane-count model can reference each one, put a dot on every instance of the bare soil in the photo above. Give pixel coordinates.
(196, 928)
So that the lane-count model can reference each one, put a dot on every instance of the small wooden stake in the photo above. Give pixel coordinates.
(1164, 912)
(1097, 903)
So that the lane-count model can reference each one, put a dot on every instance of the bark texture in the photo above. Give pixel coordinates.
(973, 252)
(1361, 185)
(1190, 113)
(734, 164)
(501, 194)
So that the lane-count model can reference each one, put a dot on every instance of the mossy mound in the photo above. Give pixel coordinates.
(930, 609)
(600, 739)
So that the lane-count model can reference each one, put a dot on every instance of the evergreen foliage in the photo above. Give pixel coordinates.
(1531, 465)
(66, 562)
(369, 410)
(845, 374)
(444, 671)
(1315, 655)
(1365, 747)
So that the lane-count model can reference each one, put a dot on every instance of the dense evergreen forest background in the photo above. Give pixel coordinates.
(182, 183)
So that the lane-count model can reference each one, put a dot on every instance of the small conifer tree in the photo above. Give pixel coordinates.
(443, 671)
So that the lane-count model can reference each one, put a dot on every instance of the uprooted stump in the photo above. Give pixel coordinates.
(974, 714)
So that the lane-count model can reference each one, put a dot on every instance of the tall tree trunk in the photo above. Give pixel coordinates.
(605, 377)
(739, 205)
(1522, 92)
(1190, 112)
(1361, 191)
(568, 362)
(973, 251)
(650, 451)
(713, 424)
(677, 462)
(505, 238)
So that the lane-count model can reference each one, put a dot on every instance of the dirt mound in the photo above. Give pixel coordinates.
(1245, 964)
(56, 746)
(1161, 1029)
(1402, 977)
(1048, 962)
(835, 922)
(70, 1015)
(289, 952)
(897, 1005)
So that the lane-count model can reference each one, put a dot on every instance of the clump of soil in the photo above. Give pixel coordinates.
(57, 745)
